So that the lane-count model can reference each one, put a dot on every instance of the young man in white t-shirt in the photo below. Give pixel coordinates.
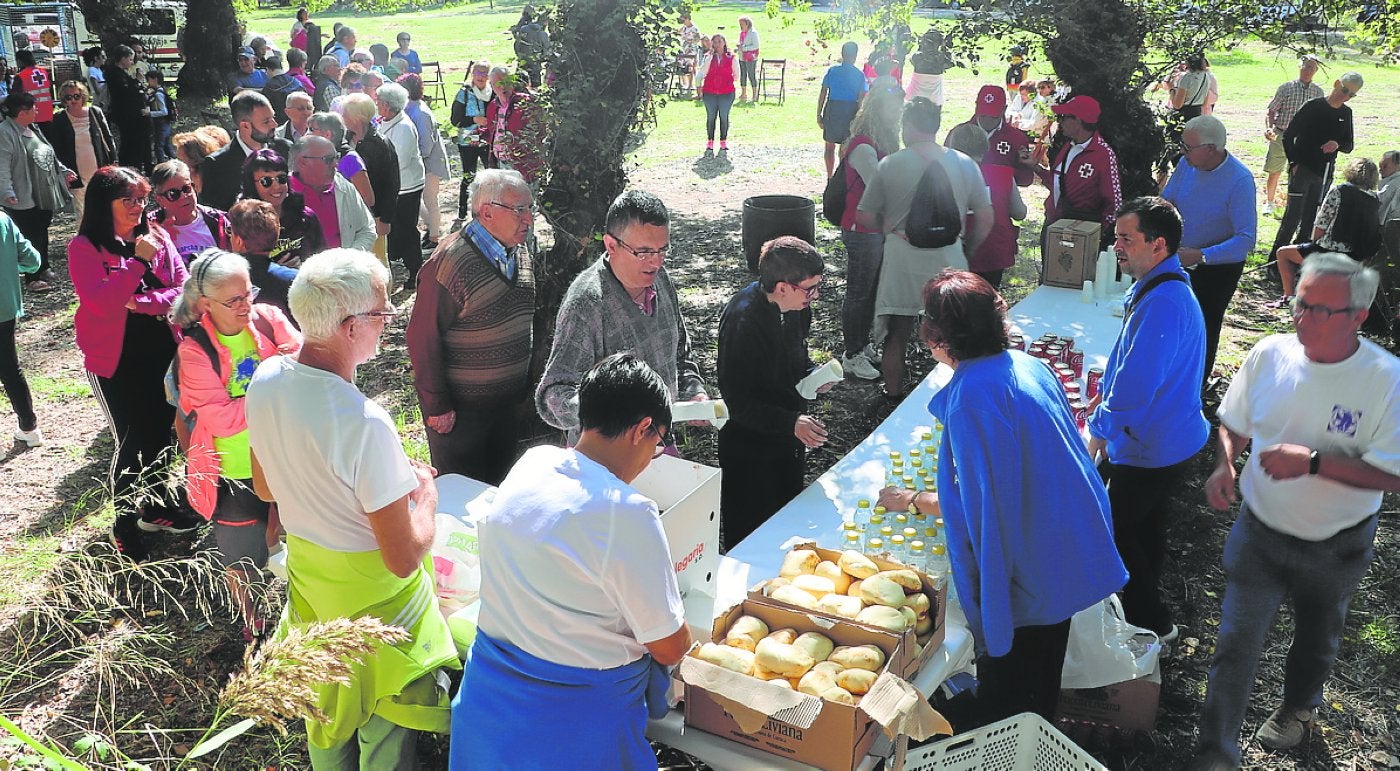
(580, 611)
(1322, 410)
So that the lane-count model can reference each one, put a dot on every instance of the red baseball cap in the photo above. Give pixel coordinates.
(1085, 108)
(991, 100)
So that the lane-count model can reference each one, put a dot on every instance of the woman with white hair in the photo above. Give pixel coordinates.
(332, 460)
(398, 130)
(226, 336)
(359, 111)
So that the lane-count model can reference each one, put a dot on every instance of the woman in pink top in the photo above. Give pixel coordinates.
(126, 276)
(716, 73)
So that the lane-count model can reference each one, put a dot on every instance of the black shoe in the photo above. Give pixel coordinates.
(126, 538)
(170, 520)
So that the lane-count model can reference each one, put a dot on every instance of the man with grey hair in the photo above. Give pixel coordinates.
(1321, 129)
(345, 220)
(1214, 192)
(344, 45)
(397, 129)
(1288, 98)
(299, 107)
(471, 332)
(327, 81)
(1322, 410)
(359, 516)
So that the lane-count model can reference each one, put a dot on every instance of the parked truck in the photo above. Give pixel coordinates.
(57, 33)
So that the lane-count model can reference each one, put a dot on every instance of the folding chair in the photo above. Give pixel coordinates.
(432, 80)
(781, 66)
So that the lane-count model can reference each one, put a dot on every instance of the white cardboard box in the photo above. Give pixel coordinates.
(688, 495)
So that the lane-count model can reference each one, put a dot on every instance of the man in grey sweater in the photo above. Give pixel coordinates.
(623, 302)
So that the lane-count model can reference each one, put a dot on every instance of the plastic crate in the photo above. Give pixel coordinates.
(1026, 742)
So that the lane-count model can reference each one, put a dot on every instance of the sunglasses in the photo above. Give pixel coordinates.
(73, 97)
(176, 193)
(279, 179)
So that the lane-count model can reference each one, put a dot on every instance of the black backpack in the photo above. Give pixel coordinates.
(834, 196)
(935, 220)
(1358, 222)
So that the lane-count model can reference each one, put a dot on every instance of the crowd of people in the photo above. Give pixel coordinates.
(229, 285)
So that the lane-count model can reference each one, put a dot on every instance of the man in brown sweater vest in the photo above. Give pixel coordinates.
(470, 333)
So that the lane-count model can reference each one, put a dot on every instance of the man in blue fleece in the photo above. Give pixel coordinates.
(1027, 516)
(1214, 193)
(1148, 420)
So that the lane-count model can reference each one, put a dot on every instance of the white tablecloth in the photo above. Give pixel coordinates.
(817, 513)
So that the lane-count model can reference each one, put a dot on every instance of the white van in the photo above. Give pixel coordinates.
(58, 31)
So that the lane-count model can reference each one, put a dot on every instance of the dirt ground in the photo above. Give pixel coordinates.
(49, 493)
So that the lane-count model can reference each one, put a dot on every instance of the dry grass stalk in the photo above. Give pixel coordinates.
(278, 679)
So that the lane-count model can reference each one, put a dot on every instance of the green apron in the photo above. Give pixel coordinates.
(398, 683)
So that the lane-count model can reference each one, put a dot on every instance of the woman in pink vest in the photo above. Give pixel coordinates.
(998, 251)
(716, 74)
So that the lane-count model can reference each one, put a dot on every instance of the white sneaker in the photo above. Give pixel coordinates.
(859, 366)
(31, 438)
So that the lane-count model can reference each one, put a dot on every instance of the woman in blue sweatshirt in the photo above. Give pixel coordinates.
(1028, 524)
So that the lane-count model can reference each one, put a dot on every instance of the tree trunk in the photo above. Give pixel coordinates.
(208, 48)
(1097, 50)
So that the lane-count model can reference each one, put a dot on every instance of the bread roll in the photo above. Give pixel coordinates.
(749, 626)
(840, 579)
(879, 589)
(817, 645)
(857, 681)
(857, 565)
(794, 596)
(799, 562)
(785, 635)
(841, 605)
(884, 617)
(814, 585)
(784, 658)
(732, 659)
(906, 578)
(858, 657)
(839, 695)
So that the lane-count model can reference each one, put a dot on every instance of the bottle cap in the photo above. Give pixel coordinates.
(863, 504)
(879, 511)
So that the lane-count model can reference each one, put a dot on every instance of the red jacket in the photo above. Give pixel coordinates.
(204, 394)
(1090, 184)
(515, 135)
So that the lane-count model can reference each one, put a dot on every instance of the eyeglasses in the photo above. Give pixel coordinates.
(810, 291)
(280, 179)
(520, 211)
(332, 158)
(134, 202)
(1347, 91)
(234, 302)
(644, 254)
(663, 440)
(385, 315)
(1185, 148)
(1322, 312)
(73, 97)
(176, 193)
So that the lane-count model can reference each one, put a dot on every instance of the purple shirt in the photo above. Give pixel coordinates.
(323, 203)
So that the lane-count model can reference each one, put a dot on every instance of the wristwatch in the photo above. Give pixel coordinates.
(1314, 462)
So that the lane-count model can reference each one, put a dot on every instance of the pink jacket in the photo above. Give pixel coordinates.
(204, 394)
(105, 282)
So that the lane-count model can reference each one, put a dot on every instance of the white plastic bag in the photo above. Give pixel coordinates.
(456, 564)
(1105, 649)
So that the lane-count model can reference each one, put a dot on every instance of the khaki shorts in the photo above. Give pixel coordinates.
(1276, 161)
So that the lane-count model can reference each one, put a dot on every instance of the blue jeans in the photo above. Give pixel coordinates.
(864, 253)
(717, 105)
(1264, 567)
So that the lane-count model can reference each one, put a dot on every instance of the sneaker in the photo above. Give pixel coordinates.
(860, 367)
(171, 520)
(1282, 302)
(125, 537)
(1286, 728)
(723, 146)
(32, 438)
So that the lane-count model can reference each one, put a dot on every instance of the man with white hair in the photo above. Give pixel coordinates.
(345, 220)
(1288, 98)
(405, 243)
(471, 331)
(1215, 194)
(1322, 410)
(1321, 129)
(299, 107)
(331, 458)
(327, 80)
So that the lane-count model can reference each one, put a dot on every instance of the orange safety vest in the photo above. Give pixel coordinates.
(38, 84)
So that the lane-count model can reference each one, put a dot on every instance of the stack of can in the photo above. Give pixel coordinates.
(1067, 362)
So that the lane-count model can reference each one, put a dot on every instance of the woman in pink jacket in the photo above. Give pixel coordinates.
(226, 337)
(126, 276)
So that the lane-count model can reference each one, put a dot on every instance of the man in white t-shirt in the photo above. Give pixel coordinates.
(359, 516)
(1322, 410)
(580, 612)
(905, 269)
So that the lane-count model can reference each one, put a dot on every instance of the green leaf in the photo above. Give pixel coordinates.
(222, 738)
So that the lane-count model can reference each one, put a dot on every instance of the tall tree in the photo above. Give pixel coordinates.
(211, 32)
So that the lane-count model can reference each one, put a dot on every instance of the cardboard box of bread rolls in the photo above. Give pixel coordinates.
(768, 712)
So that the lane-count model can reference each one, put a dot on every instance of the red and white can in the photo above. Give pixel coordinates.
(1063, 372)
(1073, 392)
(1076, 361)
(1092, 381)
(1017, 341)
(1081, 413)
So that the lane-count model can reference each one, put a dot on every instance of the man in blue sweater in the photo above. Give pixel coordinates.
(1214, 193)
(1147, 418)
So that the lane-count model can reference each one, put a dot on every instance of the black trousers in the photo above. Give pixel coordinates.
(1027, 678)
(482, 443)
(1214, 287)
(34, 225)
(12, 378)
(133, 400)
(405, 241)
(472, 156)
(1305, 190)
(134, 144)
(1140, 498)
(762, 472)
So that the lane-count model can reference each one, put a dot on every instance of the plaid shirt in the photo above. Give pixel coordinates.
(1289, 97)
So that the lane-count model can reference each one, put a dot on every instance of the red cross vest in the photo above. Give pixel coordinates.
(37, 83)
